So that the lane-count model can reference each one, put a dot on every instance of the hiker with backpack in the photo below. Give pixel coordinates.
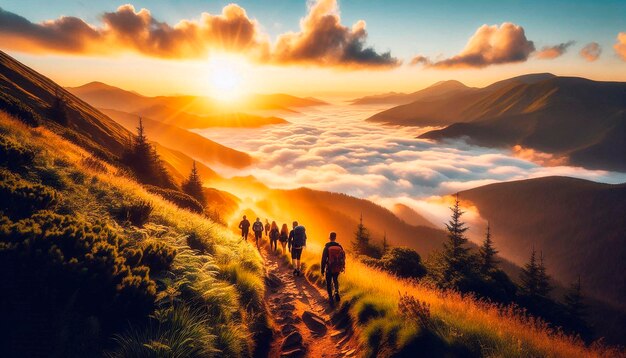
(297, 242)
(267, 227)
(244, 225)
(274, 234)
(284, 236)
(257, 227)
(333, 263)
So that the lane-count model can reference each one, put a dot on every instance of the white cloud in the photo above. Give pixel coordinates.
(334, 149)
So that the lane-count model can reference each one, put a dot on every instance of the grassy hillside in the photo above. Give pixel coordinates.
(81, 124)
(190, 288)
(565, 218)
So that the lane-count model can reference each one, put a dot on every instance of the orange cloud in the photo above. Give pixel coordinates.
(137, 31)
(620, 46)
(419, 60)
(551, 52)
(591, 51)
(490, 45)
(323, 39)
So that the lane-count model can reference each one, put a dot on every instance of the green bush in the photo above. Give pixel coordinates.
(158, 256)
(72, 266)
(182, 200)
(16, 108)
(134, 211)
(19, 198)
(14, 155)
(403, 262)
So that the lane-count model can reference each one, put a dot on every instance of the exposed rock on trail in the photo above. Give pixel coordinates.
(305, 324)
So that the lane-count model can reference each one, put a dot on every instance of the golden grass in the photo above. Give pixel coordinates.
(499, 331)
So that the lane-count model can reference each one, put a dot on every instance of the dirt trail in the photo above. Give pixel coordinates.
(305, 323)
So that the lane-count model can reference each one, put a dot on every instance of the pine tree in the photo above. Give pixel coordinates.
(193, 185)
(487, 254)
(543, 279)
(529, 276)
(574, 301)
(456, 257)
(385, 244)
(144, 161)
(360, 245)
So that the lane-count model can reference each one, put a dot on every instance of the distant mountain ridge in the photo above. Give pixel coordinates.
(89, 127)
(580, 119)
(429, 93)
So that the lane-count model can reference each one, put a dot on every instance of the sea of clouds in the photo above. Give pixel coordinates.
(332, 148)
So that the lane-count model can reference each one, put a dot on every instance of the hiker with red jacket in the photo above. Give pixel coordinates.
(333, 263)
(297, 242)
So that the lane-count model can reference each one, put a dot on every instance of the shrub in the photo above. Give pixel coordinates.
(403, 262)
(158, 256)
(134, 211)
(182, 200)
(14, 155)
(73, 266)
(17, 109)
(19, 198)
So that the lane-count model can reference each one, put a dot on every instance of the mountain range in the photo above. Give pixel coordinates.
(576, 118)
(192, 111)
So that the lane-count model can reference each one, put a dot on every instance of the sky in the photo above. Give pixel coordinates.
(315, 47)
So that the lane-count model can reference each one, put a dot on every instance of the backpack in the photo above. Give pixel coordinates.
(274, 234)
(257, 226)
(336, 259)
(299, 236)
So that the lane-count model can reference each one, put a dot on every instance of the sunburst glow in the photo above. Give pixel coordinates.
(226, 77)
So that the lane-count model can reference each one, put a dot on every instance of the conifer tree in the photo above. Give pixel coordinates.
(574, 301)
(385, 244)
(487, 253)
(360, 245)
(144, 161)
(529, 276)
(455, 256)
(543, 279)
(193, 185)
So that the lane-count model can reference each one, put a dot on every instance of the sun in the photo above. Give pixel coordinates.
(226, 77)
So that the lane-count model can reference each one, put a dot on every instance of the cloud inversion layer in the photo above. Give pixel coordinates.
(322, 40)
(489, 45)
(591, 51)
(551, 52)
(620, 46)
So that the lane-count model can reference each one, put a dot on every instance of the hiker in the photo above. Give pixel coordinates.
(244, 225)
(284, 236)
(267, 227)
(297, 242)
(333, 263)
(273, 234)
(257, 227)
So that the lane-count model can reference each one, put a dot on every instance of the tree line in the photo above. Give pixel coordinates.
(458, 267)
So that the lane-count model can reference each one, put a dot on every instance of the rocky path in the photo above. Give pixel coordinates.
(305, 323)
